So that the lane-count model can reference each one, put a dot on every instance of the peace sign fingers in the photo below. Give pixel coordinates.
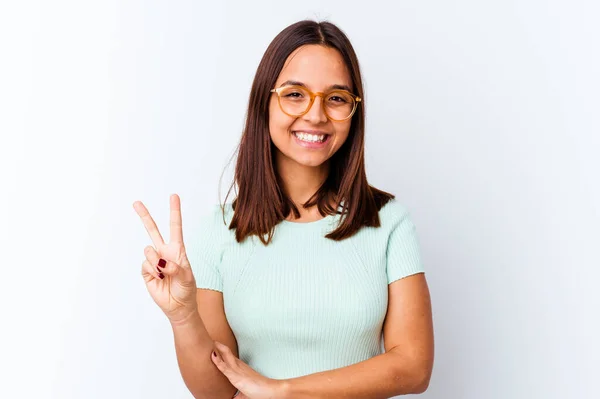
(149, 224)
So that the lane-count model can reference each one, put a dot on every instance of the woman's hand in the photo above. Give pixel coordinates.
(170, 282)
(250, 384)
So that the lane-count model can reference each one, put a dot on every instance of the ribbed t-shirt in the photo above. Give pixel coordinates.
(305, 303)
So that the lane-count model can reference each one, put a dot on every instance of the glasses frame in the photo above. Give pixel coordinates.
(313, 95)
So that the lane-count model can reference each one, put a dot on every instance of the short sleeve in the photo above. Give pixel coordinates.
(403, 254)
(206, 250)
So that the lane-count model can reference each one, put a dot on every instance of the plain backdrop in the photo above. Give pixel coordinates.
(482, 118)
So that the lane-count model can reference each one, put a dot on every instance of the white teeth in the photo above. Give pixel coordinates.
(310, 137)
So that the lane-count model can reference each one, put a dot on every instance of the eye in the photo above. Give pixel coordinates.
(337, 99)
(293, 93)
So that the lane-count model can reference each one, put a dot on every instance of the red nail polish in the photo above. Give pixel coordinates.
(161, 275)
(214, 354)
(162, 263)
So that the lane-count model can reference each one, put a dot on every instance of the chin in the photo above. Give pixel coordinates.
(313, 162)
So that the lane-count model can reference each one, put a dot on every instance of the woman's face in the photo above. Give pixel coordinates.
(318, 68)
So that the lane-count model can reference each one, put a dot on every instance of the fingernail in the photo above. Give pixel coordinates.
(161, 275)
(162, 263)
(214, 354)
(158, 270)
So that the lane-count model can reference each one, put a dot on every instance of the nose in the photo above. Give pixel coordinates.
(316, 113)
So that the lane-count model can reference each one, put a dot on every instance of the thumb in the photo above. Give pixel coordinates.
(168, 268)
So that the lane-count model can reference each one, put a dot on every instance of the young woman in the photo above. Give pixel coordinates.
(290, 287)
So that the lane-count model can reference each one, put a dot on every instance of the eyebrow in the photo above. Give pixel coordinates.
(332, 87)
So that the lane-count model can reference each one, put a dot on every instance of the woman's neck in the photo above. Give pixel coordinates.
(300, 182)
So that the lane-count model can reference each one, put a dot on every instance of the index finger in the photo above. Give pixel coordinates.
(149, 224)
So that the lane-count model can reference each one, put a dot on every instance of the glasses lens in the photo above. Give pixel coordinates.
(339, 104)
(294, 100)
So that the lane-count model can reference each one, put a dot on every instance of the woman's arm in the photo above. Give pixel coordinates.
(379, 377)
(194, 344)
(405, 367)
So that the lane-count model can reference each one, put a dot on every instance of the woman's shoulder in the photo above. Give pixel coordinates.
(215, 218)
(218, 210)
(393, 212)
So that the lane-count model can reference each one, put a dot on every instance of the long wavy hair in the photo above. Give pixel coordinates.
(261, 203)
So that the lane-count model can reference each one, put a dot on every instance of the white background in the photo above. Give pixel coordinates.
(482, 117)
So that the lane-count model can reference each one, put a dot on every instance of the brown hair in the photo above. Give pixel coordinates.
(261, 203)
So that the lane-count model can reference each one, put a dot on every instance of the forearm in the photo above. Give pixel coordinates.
(193, 346)
(379, 377)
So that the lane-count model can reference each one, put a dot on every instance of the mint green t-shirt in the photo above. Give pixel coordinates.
(305, 303)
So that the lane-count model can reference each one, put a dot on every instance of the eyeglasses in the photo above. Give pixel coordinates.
(296, 101)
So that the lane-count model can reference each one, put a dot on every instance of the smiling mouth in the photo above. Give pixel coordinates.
(311, 138)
